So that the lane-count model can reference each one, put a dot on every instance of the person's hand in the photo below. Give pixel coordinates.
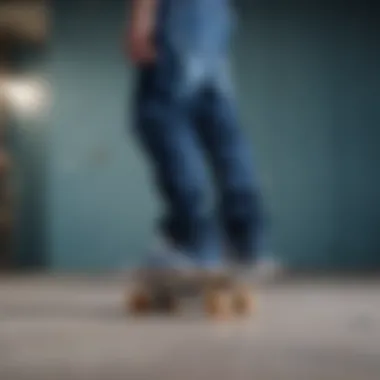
(141, 49)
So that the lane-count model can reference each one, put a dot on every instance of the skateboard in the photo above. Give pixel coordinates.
(222, 295)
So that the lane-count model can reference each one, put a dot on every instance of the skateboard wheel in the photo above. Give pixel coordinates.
(165, 301)
(140, 302)
(243, 302)
(217, 304)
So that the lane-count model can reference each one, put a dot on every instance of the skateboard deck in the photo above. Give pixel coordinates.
(221, 295)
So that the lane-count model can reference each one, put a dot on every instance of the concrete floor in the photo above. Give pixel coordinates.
(72, 328)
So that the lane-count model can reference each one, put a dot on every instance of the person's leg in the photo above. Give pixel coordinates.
(228, 148)
(167, 136)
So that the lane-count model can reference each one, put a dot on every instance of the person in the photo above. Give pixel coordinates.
(186, 117)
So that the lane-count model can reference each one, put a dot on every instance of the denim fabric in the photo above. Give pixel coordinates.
(185, 110)
(201, 27)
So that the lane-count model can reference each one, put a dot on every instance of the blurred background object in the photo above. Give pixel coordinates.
(24, 96)
(23, 26)
(24, 20)
(5, 192)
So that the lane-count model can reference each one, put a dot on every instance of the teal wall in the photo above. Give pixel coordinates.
(308, 85)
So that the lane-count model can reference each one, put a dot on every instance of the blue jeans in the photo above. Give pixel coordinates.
(185, 112)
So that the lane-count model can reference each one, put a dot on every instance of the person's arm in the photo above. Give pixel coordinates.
(141, 30)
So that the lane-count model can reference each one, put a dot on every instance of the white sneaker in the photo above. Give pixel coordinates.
(265, 269)
(164, 258)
